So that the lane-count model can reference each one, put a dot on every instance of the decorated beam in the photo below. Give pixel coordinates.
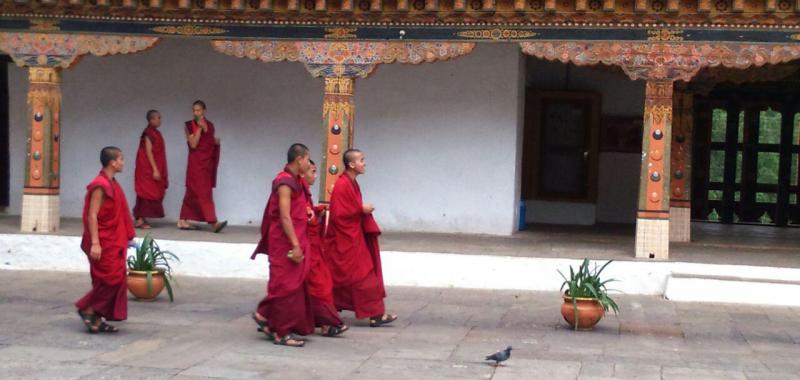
(313, 29)
(470, 12)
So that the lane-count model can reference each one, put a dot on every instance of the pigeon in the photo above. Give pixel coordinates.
(500, 356)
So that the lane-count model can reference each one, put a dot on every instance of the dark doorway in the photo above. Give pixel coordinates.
(5, 168)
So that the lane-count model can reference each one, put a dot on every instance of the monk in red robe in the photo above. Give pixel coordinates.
(319, 282)
(151, 179)
(107, 229)
(201, 172)
(286, 309)
(351, 247)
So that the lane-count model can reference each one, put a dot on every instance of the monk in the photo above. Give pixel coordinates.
(107, 229)
(201, 172)
(151, 179)
(286, 309)
(319, 282)
(351, 247)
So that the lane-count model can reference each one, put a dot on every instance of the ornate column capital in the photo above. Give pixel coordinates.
(63, 50)
(352, 59)
(662, 61)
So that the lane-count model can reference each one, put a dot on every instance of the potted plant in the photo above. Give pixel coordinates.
(149, 271)
(586, 297)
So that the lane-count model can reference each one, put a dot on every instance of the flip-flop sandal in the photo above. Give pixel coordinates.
(334, 331)
(284, 341)
(190, 228)
(144, 226)
(220, 226)
(382, 320)
(262, 327)
(88, 320)
(106, 328)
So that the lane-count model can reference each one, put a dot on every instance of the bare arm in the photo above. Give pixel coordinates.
(194, 138)
(95, 201)
(148, 149)
(284, 208)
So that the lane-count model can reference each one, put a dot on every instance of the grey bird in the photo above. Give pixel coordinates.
(500, 356)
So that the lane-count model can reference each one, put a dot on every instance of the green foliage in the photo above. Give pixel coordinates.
(769, 132)
(587, 283)
(150, 258)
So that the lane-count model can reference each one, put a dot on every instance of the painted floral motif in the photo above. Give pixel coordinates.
(61, 50)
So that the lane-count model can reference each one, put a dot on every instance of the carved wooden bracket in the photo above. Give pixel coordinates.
(62, 50)
(343, 59)
(662, 61)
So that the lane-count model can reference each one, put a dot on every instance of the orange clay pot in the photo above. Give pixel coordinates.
(590, 311)
(137, 285)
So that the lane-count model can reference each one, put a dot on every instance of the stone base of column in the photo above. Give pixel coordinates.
(40, 213)
(652, 238)
(680, 224)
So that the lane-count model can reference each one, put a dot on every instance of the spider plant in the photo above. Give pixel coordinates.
(150, 258)
(587, 283)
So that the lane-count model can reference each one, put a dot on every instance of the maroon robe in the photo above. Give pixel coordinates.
(201, 176)
(319, 282)
(149, 192)
(108, 296)
(287, 304)
(352, 253)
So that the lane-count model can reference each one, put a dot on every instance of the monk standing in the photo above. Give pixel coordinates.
(319, 282)
(151, 179)
(201, 172)
(107, 228)
(351, 247)
(286, 309)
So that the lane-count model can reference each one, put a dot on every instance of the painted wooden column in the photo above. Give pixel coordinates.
(40, 196)
(338, 115)
(661, 61)
(340, 62)
(45, 55)
(652, 218)
(680, 212)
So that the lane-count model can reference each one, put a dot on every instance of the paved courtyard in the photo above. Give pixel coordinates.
(442, 334)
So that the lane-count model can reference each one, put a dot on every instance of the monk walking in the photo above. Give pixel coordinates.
(319, 281)
(201, 172)
(107, 228)
(286, 309)
(151, 179)
(351, 247)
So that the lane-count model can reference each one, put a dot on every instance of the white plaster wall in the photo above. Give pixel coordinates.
(441, 139)
(618, 173)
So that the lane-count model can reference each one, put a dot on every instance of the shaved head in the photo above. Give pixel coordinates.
(108, 154)
(295, 151)
(349, 156)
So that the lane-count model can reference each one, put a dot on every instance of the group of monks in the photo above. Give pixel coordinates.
(319, 263)
(151, 179)
(322, 259)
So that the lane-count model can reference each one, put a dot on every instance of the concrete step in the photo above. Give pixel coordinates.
(732, 289)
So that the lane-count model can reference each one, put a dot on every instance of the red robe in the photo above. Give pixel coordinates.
(287, 304)
(352, 253)
(319, 282)
(201, 176)
(149, 192)
(108, 296)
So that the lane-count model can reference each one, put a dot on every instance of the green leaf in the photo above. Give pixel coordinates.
(150, 283)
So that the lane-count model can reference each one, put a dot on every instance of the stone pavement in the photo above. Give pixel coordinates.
(442, 334)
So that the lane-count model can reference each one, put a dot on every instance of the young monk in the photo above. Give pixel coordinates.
(201, 172)
(107, 228)
(286, 309)
(151, 179)
(319, 282)
(351, 247)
